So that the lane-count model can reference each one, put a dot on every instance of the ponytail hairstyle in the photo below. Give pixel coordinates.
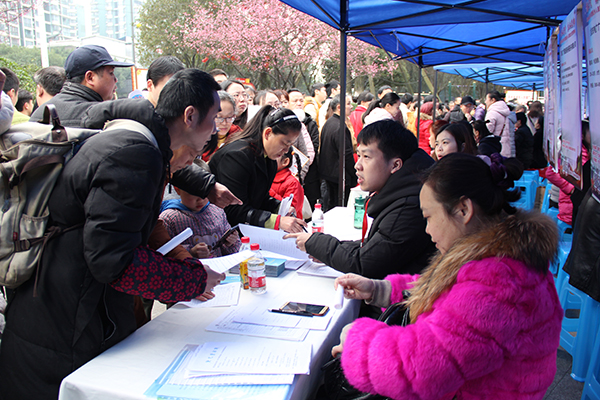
(481, 127)
(389, 98)
(486, 181)
(282, 121)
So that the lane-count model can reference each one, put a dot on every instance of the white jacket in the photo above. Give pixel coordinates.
(498, 124)
(377, 114)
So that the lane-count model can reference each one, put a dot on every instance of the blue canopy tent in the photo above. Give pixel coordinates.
(516, 75)
(430, 33)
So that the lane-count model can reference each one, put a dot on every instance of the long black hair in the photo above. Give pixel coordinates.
(389, 98)
(460, 175)
(282, 121)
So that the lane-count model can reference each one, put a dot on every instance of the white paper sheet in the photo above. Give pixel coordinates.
(239, 357)
(225, 295)
(239, 379)
(316, 269)
(174, 242)
(286, 203)
(338, 300)
(226, 324)
(272, 240)
(183, 376)
(224, 263)
(263, 316)
(246, 392)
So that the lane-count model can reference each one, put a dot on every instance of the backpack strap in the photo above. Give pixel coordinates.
(50, 234)
(51, 117)
(131, 125)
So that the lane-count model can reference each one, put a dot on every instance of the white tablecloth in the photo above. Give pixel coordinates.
(127, 370)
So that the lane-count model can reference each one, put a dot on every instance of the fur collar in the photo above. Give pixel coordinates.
(529, 237)
(425, 117)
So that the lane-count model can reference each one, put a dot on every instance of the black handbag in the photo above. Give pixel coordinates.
(335, 384)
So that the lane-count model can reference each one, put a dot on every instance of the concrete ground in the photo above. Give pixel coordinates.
(564, 387)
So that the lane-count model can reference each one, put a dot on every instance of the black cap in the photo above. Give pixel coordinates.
(88, 58)
(467, 100)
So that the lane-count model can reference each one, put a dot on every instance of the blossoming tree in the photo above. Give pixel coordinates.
(272, 43)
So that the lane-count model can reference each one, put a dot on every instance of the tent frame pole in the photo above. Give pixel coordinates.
(343, 89)
(434, 95)
(419, 99)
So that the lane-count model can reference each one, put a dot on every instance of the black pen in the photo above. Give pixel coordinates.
(300, 313)
(303, 227)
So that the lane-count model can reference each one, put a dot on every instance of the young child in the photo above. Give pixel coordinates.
(207, 221)
(285, 183)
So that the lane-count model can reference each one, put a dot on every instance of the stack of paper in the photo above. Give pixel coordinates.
(210, 370)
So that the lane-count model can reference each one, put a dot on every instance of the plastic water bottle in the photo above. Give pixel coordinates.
(256, 271)
(318, 220)
(244, 264)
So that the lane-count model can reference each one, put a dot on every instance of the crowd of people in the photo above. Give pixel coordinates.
(483, 313)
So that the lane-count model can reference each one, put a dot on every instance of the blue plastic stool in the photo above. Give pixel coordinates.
(560, 280)
(528, 185)
(591, 389)
(564, 248)
(546, 203)
(584, 326)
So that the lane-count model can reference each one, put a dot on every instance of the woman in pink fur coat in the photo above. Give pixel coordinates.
(484, 317)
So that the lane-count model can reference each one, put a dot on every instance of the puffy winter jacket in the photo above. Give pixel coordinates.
(498, 124)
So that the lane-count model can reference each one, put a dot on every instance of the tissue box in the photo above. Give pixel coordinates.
(274, 266)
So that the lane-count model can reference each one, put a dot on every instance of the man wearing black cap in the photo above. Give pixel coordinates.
(90, 79)
(467, 106)
(456, 114)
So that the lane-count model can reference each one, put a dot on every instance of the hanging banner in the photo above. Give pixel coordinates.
(591, 18)
(571, 58)
(550, 96)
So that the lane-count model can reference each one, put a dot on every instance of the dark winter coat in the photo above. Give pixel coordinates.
(329, 158)
(397, 242)
(455, 115)
(524, 146)
(539, 158)
(489, 145)
(583, 264)
(113, 186)
(249, 176)
(71, 103)
(312, 180)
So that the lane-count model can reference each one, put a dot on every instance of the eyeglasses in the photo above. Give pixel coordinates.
(242, 94)
(220, 120)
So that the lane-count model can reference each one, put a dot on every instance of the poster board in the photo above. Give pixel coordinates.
(551, 100)
(571, 59)
(591, 21)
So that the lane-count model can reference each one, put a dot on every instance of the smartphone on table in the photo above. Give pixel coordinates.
(292, 307)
